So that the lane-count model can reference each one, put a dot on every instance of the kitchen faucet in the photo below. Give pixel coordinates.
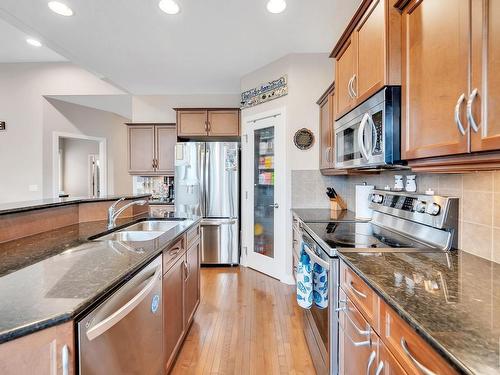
(113, 213)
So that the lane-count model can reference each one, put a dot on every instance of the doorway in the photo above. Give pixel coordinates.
(79, 166)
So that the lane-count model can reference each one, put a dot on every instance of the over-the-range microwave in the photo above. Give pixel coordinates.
(369, 137)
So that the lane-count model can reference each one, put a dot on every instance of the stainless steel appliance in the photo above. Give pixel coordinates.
(369, 135)
(207, 184)
(124, 334)
(402, 222)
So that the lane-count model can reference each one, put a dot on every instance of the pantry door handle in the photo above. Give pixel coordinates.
(274, 205)
(470, 116)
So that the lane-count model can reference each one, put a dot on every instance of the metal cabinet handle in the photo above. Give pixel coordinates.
(187, 270)
(354, 93)
(65, 360)
(206, 126)
(351, 286)
(174, 251)
(274, 205)
(209, 127)
(470, 116)
(380, 367)
(361, 131)
(360, 331)
(357, 344)
(349, 88)
(457, 114)
(371, 359)
(420, 366)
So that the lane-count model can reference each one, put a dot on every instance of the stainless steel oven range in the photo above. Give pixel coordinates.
(402, 222)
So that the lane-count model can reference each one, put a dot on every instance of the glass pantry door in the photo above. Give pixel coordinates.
(263, 198)
(264, 192)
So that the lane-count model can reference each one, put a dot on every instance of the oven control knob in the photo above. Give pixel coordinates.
(377, 198)
(420, 207)
(433, 209)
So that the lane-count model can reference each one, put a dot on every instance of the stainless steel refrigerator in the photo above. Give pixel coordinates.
(207, 184)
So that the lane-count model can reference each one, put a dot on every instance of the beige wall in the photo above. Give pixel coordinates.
(22, 105)
(479, 195)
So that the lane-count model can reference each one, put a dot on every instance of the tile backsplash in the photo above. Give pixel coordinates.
(479, 195)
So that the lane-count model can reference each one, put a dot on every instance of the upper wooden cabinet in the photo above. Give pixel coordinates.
(326, 108)
(451, 83)
(208, 122)
(151, 149)
(368, 55)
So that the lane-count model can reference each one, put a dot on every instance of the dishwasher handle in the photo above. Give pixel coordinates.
(123, 311)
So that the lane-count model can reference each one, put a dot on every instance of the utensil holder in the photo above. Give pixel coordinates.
(337, 204)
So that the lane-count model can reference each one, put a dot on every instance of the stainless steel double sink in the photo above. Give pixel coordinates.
(142, 231)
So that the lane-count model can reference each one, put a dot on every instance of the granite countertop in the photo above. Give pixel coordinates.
(53, 277)
(14, 207)
(451, 299)
(324, 215)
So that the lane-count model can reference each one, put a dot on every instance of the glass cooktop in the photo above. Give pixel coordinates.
(363, 236)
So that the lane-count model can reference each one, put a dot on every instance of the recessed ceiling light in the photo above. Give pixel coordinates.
(169, 6)
(33, 42)
(60, 8)
(276, 6)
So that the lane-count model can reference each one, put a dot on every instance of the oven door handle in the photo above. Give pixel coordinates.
(361, 132)
(316, 258)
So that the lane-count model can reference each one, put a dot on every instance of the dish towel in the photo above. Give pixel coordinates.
(320, 289)
(304, 280)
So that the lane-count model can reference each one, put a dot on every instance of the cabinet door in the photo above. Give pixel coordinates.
(41, 352)
(141, 147)
(344, 75)
(324, 131)
(192, 283)
(435, 78)
(370, 38)
(483, 106)
(191, 123)
(166, 137)
(387, 364)
(224, 123)
(173, 313)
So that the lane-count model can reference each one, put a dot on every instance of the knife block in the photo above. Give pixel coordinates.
(337, 204)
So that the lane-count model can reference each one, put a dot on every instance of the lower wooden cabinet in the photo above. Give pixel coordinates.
(181, 292)
(173, 311)
(50, 351)
(373, 339)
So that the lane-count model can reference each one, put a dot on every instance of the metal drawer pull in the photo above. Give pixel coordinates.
(470, 116)
(362, 295)
(457, 114)
(379, 369)
(357, 344)
(371, 359)
(420, 366)
(360, 331)
(349, 88)
(174, 251)
(65, 360)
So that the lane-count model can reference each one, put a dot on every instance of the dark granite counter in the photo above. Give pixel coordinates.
(10, 208)
(53, 277)
(451, 299)
(323, 215)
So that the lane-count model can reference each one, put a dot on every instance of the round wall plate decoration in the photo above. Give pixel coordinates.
(303, 139)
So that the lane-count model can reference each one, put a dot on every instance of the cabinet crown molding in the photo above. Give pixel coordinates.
(328, 91)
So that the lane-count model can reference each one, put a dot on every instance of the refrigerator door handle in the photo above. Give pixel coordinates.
(202, 176)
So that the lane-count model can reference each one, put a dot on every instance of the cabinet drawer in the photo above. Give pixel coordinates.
(387, 364)
(192, 236)
(361, 294)
(408, 347)
(173, 253)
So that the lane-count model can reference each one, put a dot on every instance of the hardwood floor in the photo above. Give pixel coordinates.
(247, 323)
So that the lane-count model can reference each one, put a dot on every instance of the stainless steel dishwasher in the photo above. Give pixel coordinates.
(123, 335)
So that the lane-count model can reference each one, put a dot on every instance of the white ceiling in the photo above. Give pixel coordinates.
(206, 48)
(14, 48)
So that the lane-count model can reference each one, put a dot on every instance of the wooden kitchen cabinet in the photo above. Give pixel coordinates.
(483, 107)
(449, 104)
(326, 129)
(368, 54)
(50, 351)
(214, 122)
(192, 282)
(173, 311)
(151, 149)
(435, 78)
